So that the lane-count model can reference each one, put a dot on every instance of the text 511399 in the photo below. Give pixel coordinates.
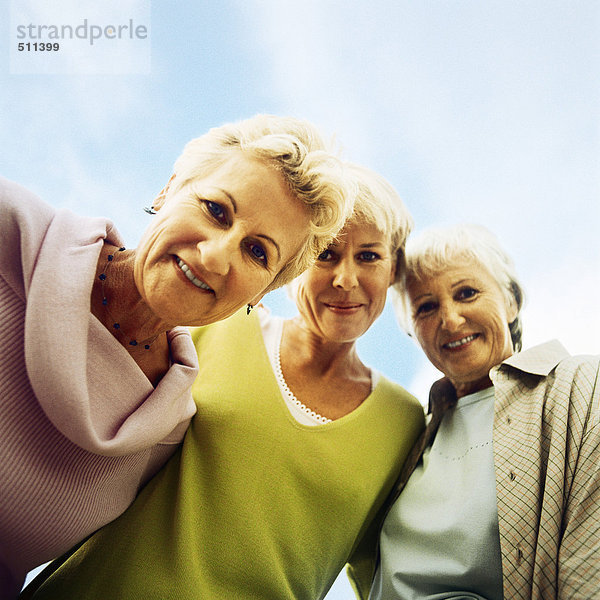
(38, 46)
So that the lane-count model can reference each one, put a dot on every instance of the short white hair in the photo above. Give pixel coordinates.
(439, 248)
(294, 148)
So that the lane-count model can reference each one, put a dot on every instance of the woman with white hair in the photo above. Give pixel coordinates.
(295, 445)
(96, 368)
(501, 495)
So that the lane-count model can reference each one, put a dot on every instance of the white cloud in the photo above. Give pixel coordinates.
(490, 112)
(496, 109)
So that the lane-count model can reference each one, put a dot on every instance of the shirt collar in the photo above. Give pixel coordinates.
(539, 360)
(442, 396)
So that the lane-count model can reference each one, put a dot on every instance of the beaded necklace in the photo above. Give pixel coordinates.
(117, 326)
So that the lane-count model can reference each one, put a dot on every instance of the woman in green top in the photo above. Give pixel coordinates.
(294, 447)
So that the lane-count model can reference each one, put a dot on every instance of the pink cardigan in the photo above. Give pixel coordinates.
(81, 427)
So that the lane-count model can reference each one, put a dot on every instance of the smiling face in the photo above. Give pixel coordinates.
(460, 318)
(344, 292)
(218, 242)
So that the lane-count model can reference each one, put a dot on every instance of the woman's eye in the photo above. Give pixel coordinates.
(368, 256)
(217, 211)
(466, 293)
(425, 308)
(325, 255)
(258, 253)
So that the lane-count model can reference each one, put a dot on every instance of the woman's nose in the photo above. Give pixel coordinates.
(216, 253)
(451, 317)
(345, 276)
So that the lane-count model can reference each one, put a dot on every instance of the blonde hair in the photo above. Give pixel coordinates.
(295, 149)
(436, 249)
(376, 203)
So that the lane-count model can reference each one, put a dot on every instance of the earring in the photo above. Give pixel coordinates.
(150, 210)
(249, 308)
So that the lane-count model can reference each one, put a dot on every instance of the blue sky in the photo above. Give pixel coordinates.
(479, 111)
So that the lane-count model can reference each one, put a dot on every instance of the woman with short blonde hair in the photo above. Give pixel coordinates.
(97, 364)
(292, 452)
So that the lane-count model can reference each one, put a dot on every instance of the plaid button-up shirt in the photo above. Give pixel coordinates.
(547, 460)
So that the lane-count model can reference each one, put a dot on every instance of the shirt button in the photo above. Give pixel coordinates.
(519, 555)
(512, 476)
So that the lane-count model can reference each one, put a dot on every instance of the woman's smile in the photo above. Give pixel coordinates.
(461, 320)
(349, 280)
(343, 308)
(460, 343)
(212, 236)
(189, 274)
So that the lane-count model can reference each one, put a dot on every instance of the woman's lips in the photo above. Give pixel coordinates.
(460, 342)
(343, 307)
(187, 271)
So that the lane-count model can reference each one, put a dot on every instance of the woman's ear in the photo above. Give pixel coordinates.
(160, 199)
(512, 310)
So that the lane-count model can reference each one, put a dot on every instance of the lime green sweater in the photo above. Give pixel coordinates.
(255, 505)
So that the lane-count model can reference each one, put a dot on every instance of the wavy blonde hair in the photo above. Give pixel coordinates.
(295, 149)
